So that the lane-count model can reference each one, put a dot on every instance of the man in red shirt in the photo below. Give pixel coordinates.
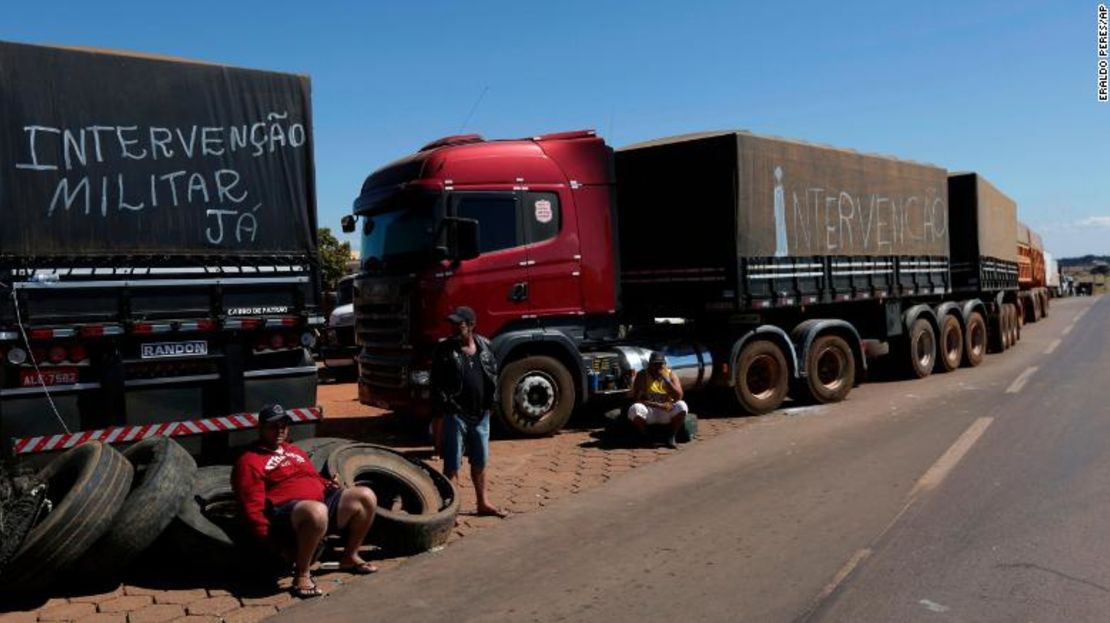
(285, 501)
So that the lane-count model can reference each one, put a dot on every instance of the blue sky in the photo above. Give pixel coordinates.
(1004, 88)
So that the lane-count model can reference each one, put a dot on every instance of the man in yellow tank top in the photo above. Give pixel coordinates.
(657, 396)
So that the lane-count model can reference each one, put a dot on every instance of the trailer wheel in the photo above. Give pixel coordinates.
(951, 344)
(762, 377)
(830, 370)
(1044, 305)
(164, 477)
(537, 396)
(87, 486)
(1016, 325)
(975, 340)
(922, 351)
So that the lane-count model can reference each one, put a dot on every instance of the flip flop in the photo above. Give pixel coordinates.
(306, 592)
(364, 568)
(495, 512)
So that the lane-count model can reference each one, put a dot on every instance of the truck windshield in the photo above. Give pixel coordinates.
(401, 228)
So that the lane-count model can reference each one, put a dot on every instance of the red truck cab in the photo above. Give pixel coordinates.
(543, 269)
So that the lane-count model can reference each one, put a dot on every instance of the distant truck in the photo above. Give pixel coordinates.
(1032, 275)
(338, 349)
(782, 266)
(1052, 276)
(158, 261)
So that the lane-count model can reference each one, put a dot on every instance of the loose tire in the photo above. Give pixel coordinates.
(319, 449)
(417, 505)
(87, 486)
(200, 536)
(830, 370)
(537, 396)
(165, 475)
(762, 378)
(951, 344)
(975, 340)
(921, 348)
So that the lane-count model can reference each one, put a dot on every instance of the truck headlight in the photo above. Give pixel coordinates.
(420, 377)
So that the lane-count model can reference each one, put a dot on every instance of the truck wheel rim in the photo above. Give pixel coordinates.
(830, 368)
(535, 394)
(952, 345)
(761, 377)
(924, 347)
(978, 339)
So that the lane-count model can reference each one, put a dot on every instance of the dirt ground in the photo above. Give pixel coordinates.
(524, 476)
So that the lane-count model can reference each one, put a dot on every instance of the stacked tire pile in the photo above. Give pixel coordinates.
(97, 511)
(93, 511)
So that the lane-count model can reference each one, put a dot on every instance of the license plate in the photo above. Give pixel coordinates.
(50, 376)
(173, 350)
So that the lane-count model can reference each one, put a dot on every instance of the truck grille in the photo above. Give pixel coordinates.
(382, 325)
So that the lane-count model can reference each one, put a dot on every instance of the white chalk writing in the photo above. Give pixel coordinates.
(93, 179)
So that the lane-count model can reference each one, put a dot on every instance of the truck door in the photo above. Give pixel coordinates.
(554, 267)
(495, 283)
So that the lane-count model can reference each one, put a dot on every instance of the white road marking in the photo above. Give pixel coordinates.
(934, 606)
(1021, 380)
(1080, 314)
(843, 574)
(947, 461)
(933, 477)
(1068, 328)
(1052, 346)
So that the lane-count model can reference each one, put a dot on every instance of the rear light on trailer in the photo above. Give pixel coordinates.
(308, 340)
(100, 330)
(77, 353)
(206, 325)
(16, 356)
(38, 353)
(57, 354)
(41, 334)
(277, 341)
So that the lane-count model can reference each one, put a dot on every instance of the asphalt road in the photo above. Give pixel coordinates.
(981, 495)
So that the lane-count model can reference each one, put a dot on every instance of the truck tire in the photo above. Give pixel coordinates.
(1023, 311)
(830, 370)
(165, 475)
(200, 536)
(417, 505)
(1045, 304)
(762, 377)
(319, 449)
(87, 486)
(950, 345)
(537, 396)
(921, 349)
(1015, 325)
(975, 340)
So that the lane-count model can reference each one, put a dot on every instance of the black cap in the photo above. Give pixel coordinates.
(656, 357)
(273, 413)
(462, 314)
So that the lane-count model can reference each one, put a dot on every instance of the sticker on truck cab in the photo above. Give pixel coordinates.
(258, 311)
(167, 350)
(544, 213)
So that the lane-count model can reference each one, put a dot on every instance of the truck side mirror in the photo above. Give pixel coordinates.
(348, 223)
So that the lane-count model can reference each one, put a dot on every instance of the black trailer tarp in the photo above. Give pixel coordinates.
(107, 154)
